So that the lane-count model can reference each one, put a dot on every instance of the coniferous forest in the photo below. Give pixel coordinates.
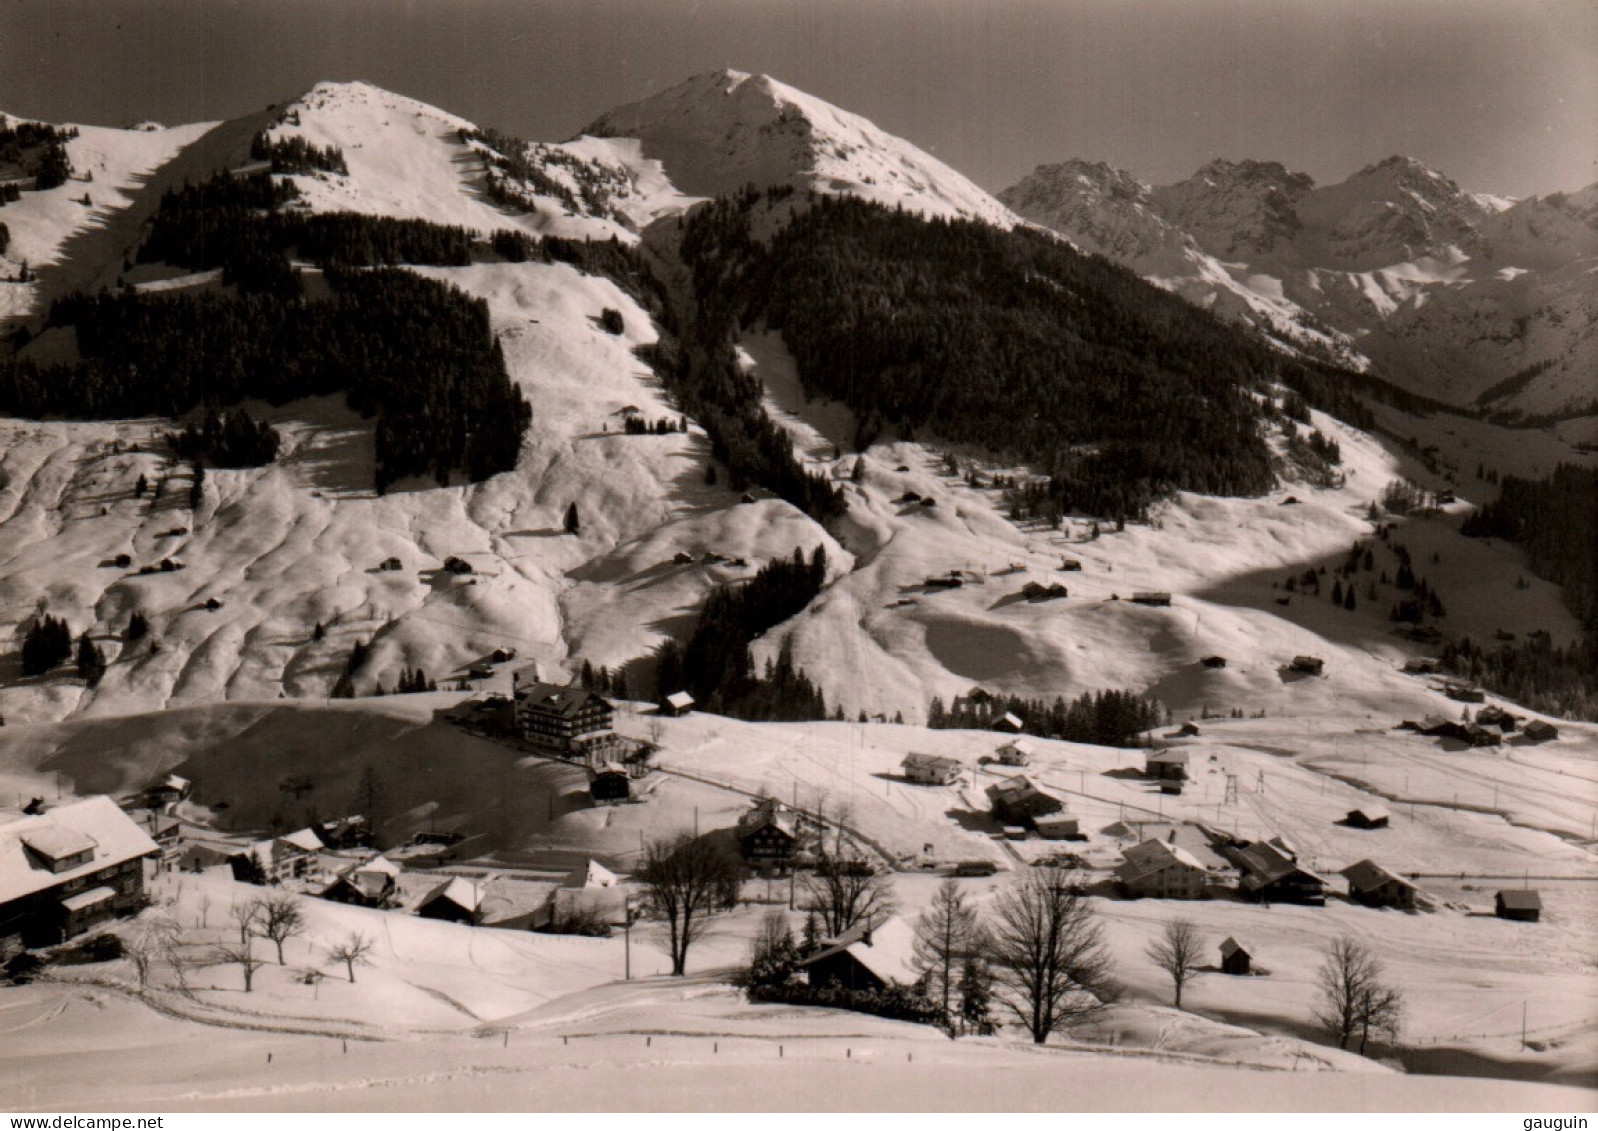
(1010, 340)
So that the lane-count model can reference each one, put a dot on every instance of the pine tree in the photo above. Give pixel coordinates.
(573, 523)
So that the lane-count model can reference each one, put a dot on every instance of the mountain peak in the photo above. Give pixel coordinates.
(716, 132)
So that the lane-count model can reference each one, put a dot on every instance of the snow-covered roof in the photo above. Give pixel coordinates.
(1231, 946)
(591, 874)
(88, 898)
(679, 700)
(1167, 758)
(113, 835)
(55, 842)
(1371, 812)
(1143, 860)
(305, 840)
(1521, 899)
(1020, 746)
(1367, 875)
(460, 891)
(890, 953)
(935, 762)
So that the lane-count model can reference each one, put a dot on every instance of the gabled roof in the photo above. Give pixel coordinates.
(591, 874)
(1231, 946)
(1264, 863)
(379, 866)
(305, 840)
(1166, 758)
(175, 783)
(1521, 899)
(1371, 812)
(1009, 719)
(114, 836)
(553, 699)
(935, 762)
(1152, 856)
(1367, 875)
(460, 891)
(679, 700)
(890, 954)
(56, 842)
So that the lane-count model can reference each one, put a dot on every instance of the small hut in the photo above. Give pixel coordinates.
(1016, 753)
(1234, 959)
(1524, 905)
(1368, 817)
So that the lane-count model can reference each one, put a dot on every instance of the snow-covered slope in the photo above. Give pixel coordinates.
(1463, 297)
(717, 132)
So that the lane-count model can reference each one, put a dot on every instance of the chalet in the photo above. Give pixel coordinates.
(590, 892)
(163, 829)
(676, 705)
(1009, 722)
(371, 883)
(278, 858)
(1160, 600)
(1271, 874)
(567, 721)
(1438, 726)
(1523, 905)
(1422, 665)
(456, 900)
(1057, 826)
(67, 870)
(1368, 817)
(1166, 764)
(1539, 731)
(1015, 753)
(609, 781)
(1495, 716)
(1374, 886)
(1070, 565)
(352, 831)
(168, 791)
(1214, 661)
(1307, 665)
(866, 958)
(1234, 959)
(1162, 870)
(768, 834)
(1016, 801)
(1462, 692)
(1478, 735)
(931, 769)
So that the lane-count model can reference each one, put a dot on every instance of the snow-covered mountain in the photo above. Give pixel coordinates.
(717, 132)
(1465, 297)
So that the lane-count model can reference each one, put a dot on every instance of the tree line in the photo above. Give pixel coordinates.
(1105, 718)
(37, 149)
(296, 155)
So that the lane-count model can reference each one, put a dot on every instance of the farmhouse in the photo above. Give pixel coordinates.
(456, 900)
(1166, 764)
(277, 858)
(1162, 870)
(372, 883)
(1368, 817)
(568, 721)
(65, 870)
(1015, 753)
(768, 834)
(1438, 726)
(676, 705)
(1493, 715)
(1160, 600)
(1271, 874)
(930, 769)
(1008, 721)
(1307, 665)
(1483, 736)
(609, 781)
(866, 958)
(1523, 905)
(590, 893)
(1016, 801)
(1057, 826)
(1374, 886)
(1234, 959)
(1463, 692)
(1539, 731)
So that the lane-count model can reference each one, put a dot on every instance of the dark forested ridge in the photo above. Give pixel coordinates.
(36, 150)
(1010, 340)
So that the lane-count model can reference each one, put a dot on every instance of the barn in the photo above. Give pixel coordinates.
(867, 958)
(457, 900)
(1374, 886)
(1016, 801)
(1166, 764)
(931, 769)
(1523, 905)
(1368, 817)
(1234, 959)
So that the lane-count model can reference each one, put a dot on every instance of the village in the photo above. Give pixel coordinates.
(1157, 825)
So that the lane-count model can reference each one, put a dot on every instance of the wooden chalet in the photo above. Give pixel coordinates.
(1157, 599)
(590, 892)
(1234, 959)
(278, 858)
(567, 721)
(1374, 886)
(610, 781)
(1166, 764)
(1214, 661)
(1161, 870)
(370, 883)
(1422, 665)
(1368, 817)
(1271, 874)
(931, 769)
(456, 900)
(1017, 752)
(1493, 715)
(1478, 735)
(676, 705)
(1523, 905)
(1016, 801)
(1307, 665)
(1440, 726)
(1009, 722)
(768, 834)
(168, 791)
(1462, 692)
(1058, 826)
(867, 958)
(69, 869)
(1540, 731)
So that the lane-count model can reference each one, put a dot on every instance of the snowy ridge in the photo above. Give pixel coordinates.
(717, 132)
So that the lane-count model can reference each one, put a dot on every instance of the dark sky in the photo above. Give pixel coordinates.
(1498, 94)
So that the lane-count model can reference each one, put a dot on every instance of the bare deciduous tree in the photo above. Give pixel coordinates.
(281, 919)
(352, 951)
(946, 935)
(1177, 952)
(1047, 953)
(246, 915)
(244, 956)
(686, 878)
(1353, 996)
(849, 891)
